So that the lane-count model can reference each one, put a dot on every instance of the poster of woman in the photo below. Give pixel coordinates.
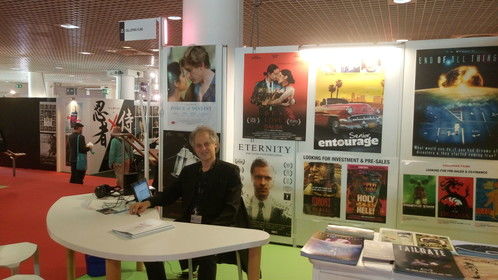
(275, 96)
(193, 87)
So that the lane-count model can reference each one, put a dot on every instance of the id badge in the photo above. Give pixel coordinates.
(195, 219)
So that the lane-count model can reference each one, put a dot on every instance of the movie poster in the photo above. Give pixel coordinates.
(267, 171)
(456, 103)
(487, 200)
(322, 189)
(275, 96)
(73, 115)
(48, 149)
(101, 115)
(349, 106)
(194, 87)
(366, 193)
(455, 197)
(48, 117)
(419, 195)
(153, 123)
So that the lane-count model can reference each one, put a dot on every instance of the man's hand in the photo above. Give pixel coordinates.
(139, 207)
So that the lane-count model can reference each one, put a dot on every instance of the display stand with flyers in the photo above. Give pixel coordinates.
(396, 254)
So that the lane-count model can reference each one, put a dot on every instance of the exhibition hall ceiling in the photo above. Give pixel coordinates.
(32, 40)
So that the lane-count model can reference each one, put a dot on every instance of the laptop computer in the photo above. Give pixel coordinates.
(141, 190)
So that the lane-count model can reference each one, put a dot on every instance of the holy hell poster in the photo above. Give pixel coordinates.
(275, 96)
(367, 193)
(456, 103)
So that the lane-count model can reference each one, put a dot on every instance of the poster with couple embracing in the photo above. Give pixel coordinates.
(275, 96)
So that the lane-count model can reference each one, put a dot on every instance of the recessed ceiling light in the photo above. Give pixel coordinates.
(399, 41)
(174, 18)
(111, 51)
(12, 91)
(69, 26)
(58, 67)
(86, 53)
(154, 50)
(126, 47)
(402, 1)
(15, 69)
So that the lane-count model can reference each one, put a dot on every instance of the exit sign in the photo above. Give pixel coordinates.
(18, 85)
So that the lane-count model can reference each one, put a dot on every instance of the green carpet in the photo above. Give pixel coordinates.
(277, 262)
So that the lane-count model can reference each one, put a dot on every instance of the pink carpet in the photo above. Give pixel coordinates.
(24, 206)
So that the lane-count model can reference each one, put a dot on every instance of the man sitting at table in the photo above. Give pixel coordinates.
(210, 192)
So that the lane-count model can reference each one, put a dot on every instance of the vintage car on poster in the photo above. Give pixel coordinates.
(339, 115)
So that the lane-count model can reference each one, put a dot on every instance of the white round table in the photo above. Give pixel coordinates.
(76, 226)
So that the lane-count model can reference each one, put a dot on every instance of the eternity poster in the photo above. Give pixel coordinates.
(194, 87)
(275, 96)
(349, 105)
(456, 103)
(367, 193)
(267, 173)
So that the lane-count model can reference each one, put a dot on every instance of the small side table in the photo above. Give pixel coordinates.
(13, 156)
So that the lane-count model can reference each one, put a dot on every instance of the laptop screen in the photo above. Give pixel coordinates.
(141, 190)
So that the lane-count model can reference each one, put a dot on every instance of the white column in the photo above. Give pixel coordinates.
(36, 85)
(49, 89)
(212, 22)
(125, 87)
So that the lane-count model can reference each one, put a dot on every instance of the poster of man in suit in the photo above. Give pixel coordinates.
(268, 180)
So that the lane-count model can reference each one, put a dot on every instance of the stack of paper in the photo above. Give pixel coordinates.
(142, 228)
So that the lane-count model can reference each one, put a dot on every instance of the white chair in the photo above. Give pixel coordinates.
(12, 255)
(24, 277)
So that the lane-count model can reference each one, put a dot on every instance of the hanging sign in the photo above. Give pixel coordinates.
(138, 29)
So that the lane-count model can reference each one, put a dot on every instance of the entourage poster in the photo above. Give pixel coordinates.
(268, 173)
(275, 96)
(456, 103)
(194, 87)
(349, 105)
